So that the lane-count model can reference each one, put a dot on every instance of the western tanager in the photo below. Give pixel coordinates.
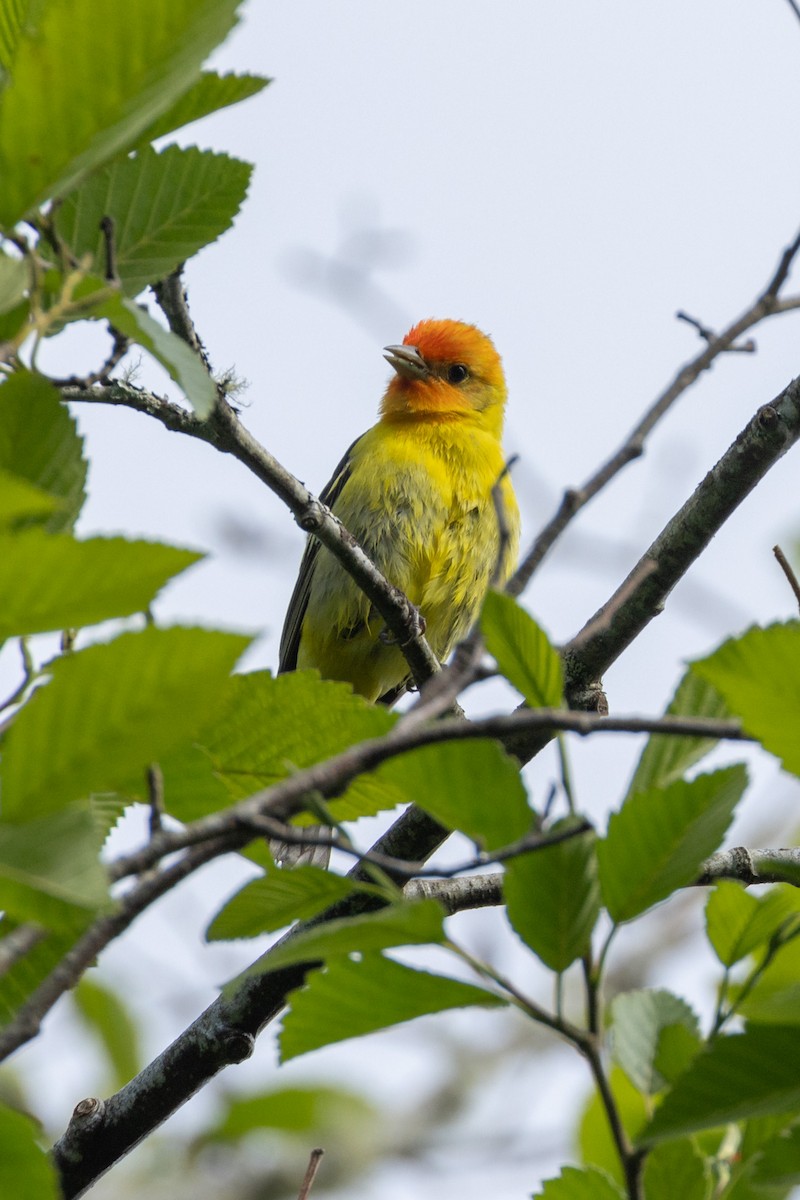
(416, 492)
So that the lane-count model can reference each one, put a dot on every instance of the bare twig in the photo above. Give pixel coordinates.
(174, 303)
(574, 499)
(793, 5)
(785, 566)
(708, 335)
(155, 791)
(314, 1160)
(109, 242)
(285, 799)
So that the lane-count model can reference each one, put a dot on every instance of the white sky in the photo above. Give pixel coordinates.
(566, 176)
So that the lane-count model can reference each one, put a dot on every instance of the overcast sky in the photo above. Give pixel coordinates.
(566, 176)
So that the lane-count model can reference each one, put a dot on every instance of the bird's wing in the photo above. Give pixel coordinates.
(293, 625)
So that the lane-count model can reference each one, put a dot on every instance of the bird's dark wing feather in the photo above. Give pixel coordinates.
(295, 614)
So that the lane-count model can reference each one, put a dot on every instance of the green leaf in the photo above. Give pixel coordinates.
(639, 1022)
(471, 786)
(579, 1183)
(522, 651)
(758, 675)
(20, 499)
(109, 712)
(665, 758)
(210, 93)
(181, 363)
(51, 581)
(21, 980)
(657, 841)
(108, 1019)
(553, 898)
(26, 1172)
(299, 1110)
(674, 1170)
(277, 899)
(779, 1162)
(13, 279)
(50, 870)
(350, 999)
(272, 727)
(12, 19)
(749, 1074)
(738, 922)
(403, 924)
(52, 459)
(165, 208)
(595, 1139)
(775, 997)
(125, 65)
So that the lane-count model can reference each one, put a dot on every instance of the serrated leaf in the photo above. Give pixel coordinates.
(300, 1110)
(522, 651)
(639, 1021)
(51, 868)
(471, 786)
(749, 1074)
(553, 898)
(52, 459)
(110, 711)
(52, 581)
(778, 1164)
(13, 279)
(738, 922)
(109, 1021)
(210, 93)
(181, 363)
(26, 1172)
(657, 841)
(150, 54)
(758, 676)
(579, 1183)
(272, 727)
(676, 1169)
(277, 899)
(595, 1140)
(165, 207)
(666, 758)
(350, 999)
(405, 924)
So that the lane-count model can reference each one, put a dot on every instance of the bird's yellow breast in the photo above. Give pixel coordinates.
(419, 500)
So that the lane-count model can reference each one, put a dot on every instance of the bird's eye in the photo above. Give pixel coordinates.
(457, 373)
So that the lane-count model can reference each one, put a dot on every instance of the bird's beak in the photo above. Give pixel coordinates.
(407, 361)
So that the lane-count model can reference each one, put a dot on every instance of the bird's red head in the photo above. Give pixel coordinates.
(444, 368)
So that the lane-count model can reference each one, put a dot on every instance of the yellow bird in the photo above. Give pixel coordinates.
(416, 492)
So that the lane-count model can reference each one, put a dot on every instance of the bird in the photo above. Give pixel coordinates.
(417, 491)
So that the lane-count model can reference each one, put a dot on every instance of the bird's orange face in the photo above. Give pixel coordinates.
(443, 368)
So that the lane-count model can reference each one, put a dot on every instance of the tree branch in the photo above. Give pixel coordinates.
(766, 304)
(224, 431)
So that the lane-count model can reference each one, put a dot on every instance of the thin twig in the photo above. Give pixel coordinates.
(155, 792)
(794, 7)
(785, 566)
(708, 335)
(287, 798)
(28, 1018)
(315, 1158)
(574, 499)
